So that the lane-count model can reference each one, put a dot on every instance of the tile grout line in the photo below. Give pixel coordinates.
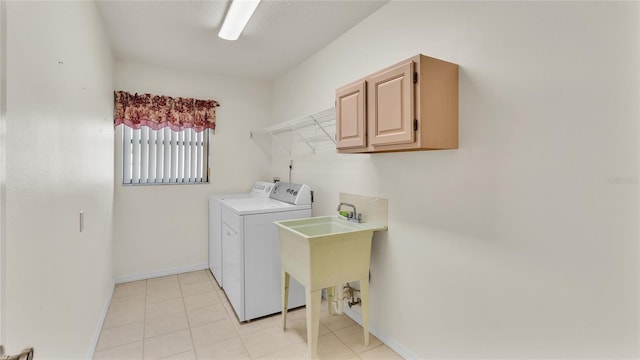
(347, 345)
(238, 331)
(186, 314)
(333, 332)
(114, 328)
(193, 343)
(175, 331)
(230, 316)
(339, 339)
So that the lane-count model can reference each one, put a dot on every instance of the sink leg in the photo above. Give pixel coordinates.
(313, 320)
(331, 293)
(364, 294)
(285, 298)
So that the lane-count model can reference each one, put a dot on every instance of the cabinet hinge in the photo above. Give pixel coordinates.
(415, 77)
(415, 124)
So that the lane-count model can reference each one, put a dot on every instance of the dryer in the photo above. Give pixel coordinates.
(251, 267)
(259, 190)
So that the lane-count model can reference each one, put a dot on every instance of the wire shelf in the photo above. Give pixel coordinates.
(313, 130)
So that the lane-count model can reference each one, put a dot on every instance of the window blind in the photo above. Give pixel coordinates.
(164, 156)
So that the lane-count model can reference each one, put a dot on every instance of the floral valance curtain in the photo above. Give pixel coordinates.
(156, 112)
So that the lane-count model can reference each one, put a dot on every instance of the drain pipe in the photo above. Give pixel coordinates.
(351, 295)
(335, 299)
(342, 292)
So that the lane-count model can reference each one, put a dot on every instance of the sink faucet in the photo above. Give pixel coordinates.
(354, 215)
(346, 204)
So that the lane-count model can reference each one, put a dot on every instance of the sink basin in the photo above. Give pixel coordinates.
(325, 251)
(326, 225)
(322, 252)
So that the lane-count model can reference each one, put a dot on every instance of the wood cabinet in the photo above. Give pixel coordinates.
(412, 105)
(350, 104)
(391, 106)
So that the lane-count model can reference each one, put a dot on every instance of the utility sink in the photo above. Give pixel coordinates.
(326, 225)
(322, 252)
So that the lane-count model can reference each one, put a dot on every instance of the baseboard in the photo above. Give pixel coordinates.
(391, 343)
(94, 342)
(155, 274)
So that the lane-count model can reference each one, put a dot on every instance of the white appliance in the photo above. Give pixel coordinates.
(259, 190)
(251, 269)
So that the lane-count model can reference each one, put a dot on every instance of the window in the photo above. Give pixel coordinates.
(164, 156)
(165, 140)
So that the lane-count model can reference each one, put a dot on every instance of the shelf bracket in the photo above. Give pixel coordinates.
(323, 129)
(304, 140)
(275, 139)
(292, 130)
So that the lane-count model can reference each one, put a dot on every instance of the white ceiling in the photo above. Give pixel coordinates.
(184, 34)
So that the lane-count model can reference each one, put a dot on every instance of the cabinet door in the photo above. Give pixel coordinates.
(391, 106)
(351, 116)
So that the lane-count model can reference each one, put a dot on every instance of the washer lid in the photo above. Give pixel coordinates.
(260, 189)
(260, 206)
(231, 196)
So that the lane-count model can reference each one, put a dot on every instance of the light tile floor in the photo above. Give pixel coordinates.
(187, 316)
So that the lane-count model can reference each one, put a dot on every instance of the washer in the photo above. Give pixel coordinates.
(259, 190)
(251, 269)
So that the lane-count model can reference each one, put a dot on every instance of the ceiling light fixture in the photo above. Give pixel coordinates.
(237, 18)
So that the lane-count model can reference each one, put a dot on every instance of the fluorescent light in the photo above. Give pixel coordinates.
(237, 18)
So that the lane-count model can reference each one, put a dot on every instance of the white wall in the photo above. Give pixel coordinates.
(523, 243)
(159, 229)
(59, 156)
(3, 161)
